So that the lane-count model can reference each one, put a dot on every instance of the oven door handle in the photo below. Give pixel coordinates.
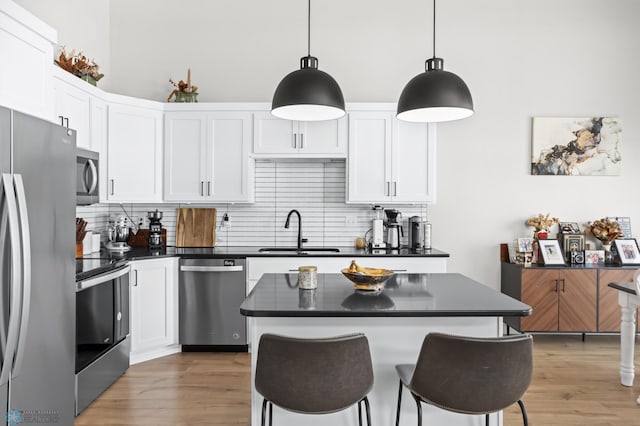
(16, 268)
(26, 272)
(81, 285)
(237, 268)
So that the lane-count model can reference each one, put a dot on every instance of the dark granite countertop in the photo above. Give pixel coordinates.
(140, 253)
(404, 295)
(84, 265)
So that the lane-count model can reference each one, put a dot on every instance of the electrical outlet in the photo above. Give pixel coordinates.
(350, 219)
(226, 223)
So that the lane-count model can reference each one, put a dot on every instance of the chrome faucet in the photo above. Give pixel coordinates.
(286, 225)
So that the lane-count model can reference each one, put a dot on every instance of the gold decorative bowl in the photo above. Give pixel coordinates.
(367, 279)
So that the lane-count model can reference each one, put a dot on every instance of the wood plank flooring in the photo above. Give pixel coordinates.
(574, 383)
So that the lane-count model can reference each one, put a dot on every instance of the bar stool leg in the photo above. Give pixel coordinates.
(270, 413)
(367, 410)
(264, 409)
(419, 409)
(486, 419)
(360, 413)
(525, 418)
(399, 401)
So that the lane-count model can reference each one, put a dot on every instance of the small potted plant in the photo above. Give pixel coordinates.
(79, 65)
(184, 92)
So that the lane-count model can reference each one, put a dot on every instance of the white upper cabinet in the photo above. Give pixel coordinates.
(389, 161)
(134, 151)
(207, 157)
(185, 156)
(81, 107)
(283, 138)
(26, 44)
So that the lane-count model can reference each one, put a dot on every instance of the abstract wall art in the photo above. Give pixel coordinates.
(588, 146)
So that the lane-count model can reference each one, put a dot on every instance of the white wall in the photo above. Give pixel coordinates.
(82, 25)
(520, 58)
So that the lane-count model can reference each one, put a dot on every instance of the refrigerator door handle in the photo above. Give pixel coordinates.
(16, 281)
(26, 273)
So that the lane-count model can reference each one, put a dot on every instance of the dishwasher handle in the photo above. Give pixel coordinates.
(236, 268)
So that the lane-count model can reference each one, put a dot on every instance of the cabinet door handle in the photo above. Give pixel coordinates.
(395, 188)
(209, 187)
(562, 284)
(135, 278)
(301, 140)
(387, 191)
(113, 186)
(67, 120)
(61, 120)
(202, 188)
(295, 141)
(556, 287)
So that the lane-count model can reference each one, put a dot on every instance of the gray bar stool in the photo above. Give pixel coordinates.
(469, 375)
(314, 376)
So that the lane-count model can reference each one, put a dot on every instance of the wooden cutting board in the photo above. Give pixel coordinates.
(196, 227)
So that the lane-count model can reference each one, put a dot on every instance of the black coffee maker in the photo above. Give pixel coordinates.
(155, 229)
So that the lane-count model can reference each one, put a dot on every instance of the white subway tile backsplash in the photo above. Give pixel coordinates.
(316, 188)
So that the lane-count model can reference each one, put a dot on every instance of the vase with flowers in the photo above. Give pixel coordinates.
(605, 231)
(541, 224)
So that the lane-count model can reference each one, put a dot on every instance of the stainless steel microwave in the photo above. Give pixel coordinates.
(87, 177)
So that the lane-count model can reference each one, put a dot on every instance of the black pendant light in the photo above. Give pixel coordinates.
(435, 95)
(308, 94)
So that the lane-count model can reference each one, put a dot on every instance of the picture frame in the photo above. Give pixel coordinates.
(525, 244)
(628, 252)
(625, 225)
(551, 253)
(594, 257)
(572, 242)
(569, 227)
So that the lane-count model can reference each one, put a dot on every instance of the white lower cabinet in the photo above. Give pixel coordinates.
(154, 308)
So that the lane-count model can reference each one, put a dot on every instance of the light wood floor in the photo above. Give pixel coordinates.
(574, 383)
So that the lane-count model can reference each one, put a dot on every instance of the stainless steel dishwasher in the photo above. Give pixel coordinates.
(211, 291)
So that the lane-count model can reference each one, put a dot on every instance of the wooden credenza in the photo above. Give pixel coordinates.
(566, 298)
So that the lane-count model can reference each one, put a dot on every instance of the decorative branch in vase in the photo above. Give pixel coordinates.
(541, 223)
(79, 65)
(605, 230)
(184, 92)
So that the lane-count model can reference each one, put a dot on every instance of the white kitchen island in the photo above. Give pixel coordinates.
(395, 323)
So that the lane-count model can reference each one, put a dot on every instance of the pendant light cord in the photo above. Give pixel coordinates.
(309, 28)
(434, 28)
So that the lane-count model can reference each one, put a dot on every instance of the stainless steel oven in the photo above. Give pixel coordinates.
(87, 177)
(102, 333)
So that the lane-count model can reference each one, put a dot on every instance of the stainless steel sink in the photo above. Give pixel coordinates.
(303, 250)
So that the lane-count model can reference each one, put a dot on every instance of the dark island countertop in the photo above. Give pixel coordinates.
(404, 295)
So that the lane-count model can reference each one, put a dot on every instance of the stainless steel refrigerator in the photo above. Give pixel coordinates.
(37, 268)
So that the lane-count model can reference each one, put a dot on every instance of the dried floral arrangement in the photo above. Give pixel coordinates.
(182, 87)
(541, 222)
(605, 230)
(78, 64)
